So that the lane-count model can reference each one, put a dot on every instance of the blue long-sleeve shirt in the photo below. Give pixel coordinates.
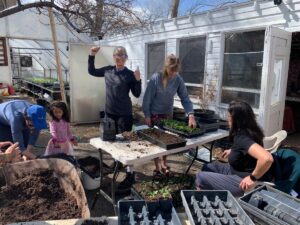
(12, 115)
(160, 100)
(118, 84)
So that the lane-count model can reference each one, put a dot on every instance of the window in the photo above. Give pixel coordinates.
(156, 58)
(242, 70)
(192, 58)
(3, 53)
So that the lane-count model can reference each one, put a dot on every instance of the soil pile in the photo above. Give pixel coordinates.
(37, 196)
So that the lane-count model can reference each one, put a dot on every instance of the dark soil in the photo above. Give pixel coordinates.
(93, 222)
(164, 137)
(131, 136)
(37, 196)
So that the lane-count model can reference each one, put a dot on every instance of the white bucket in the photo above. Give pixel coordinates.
(88, 182)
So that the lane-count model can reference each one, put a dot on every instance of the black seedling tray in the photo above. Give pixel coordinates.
(224, 124)
(267, 205)
(213, 207)
(204, 113)
(209, 127)
(179, 142)
(196, 133)
(141, 212)
(214, 119)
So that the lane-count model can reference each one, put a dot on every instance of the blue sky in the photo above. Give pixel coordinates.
(162, 5)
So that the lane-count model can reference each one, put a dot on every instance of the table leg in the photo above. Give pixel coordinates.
(210, 151)
(113, 187)
(196, 154)
(193, 160)
(111, 199)
(101, 178)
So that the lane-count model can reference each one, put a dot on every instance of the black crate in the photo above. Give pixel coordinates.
(179, 143)
(142, 212)
(268, 205)
(213, 207)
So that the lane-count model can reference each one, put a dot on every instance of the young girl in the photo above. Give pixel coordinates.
(62, 140)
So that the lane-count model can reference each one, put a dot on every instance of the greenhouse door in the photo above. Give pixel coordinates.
(274, 79)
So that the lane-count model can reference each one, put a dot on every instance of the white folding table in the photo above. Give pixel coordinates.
(137, 152)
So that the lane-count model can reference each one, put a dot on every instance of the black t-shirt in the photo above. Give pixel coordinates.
(241, 163)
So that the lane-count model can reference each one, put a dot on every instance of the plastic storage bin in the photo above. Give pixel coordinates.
(146, 213)
(213, 208)
(267, 205)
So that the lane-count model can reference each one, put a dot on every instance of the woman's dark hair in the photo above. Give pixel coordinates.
(63, 107)
(243, 120)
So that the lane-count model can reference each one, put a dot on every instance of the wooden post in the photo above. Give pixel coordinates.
(57, 57)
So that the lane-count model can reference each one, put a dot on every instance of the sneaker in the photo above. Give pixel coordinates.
(128, 181)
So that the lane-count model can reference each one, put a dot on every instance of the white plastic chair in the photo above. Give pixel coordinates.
(272, 143)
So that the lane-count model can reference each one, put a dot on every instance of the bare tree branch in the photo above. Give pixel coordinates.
(98, 18)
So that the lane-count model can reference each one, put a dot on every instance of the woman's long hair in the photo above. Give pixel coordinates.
(172, 63)
(243, 119)
(63, 107)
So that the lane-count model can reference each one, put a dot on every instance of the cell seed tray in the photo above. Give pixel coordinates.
(213, 208)
(162, 139)
(267, 205)
(147, 213)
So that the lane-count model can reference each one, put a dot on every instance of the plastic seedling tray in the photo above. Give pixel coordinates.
(209, 127)
(195, 133)
(213, 207)
(268, 205)
(214, 119)
(162, 139)
(147, 213)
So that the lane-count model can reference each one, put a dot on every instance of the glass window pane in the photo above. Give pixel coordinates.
(251, 98)
(156, 58)
(192, 59)
(243, 70)
(252, 41)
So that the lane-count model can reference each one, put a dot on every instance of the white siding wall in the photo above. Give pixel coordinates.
(213, 24)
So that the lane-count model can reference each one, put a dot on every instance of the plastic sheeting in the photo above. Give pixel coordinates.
(87, 93)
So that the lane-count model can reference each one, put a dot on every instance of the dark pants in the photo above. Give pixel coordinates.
(123, 123)
(5, 134)
(217, 176)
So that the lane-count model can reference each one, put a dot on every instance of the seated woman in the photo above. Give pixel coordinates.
(248, 160)
(11, 154)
